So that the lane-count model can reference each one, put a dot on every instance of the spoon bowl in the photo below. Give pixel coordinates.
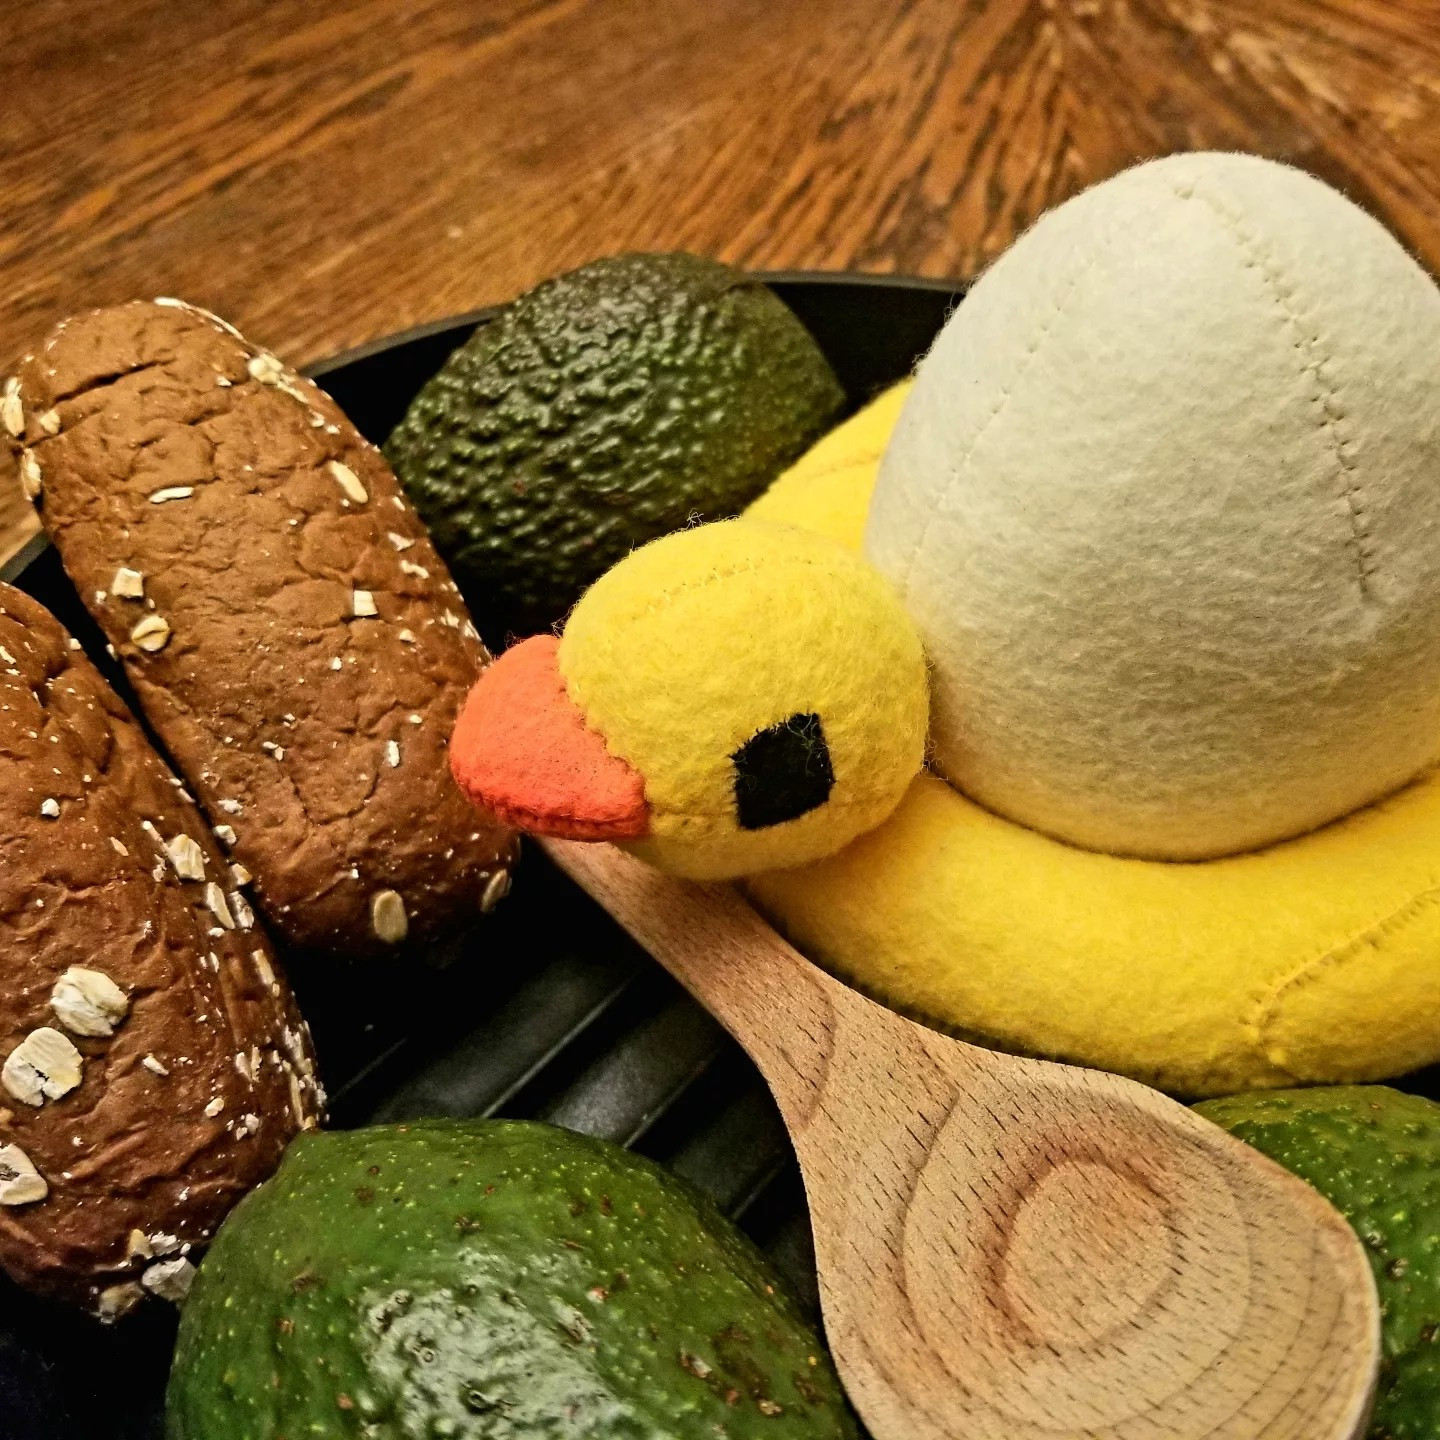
(1011, 1249)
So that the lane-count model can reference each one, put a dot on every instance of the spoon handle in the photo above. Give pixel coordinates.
(772, 1000)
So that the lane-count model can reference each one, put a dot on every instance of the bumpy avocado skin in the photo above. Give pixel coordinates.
(602, 409)
(495, 1279)
(1374, 1153)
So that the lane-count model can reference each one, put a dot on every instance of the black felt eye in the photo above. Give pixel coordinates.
(782, 772)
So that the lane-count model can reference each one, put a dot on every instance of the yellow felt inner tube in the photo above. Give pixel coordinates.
(1315, 960)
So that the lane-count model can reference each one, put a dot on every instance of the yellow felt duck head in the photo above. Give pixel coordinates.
(1154, 541)
(729, 699)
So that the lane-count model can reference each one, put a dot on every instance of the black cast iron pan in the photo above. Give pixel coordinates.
(545, 1010)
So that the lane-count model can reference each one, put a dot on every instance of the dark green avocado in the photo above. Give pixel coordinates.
(1374, 1153)
(454, 1280)
(605, 407)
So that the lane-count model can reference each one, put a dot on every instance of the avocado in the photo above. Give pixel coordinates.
(605, 407)
(495, 1279)
(1374, 1153)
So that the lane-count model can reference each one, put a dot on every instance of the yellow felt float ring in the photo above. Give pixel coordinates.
(1315, 960)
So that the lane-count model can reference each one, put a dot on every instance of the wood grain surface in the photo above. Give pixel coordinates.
(323, 174)
(1015, 1250)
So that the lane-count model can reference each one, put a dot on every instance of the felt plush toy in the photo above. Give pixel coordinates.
(738, 756)
(1165, 505)
(1162, 513)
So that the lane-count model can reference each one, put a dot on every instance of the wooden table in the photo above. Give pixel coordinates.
(324, 173)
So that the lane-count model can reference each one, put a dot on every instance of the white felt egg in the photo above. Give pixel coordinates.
(1165, 505)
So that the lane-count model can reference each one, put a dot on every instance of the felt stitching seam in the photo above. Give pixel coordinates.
(1316, 365)
(1042, 333)
(1268, 1011)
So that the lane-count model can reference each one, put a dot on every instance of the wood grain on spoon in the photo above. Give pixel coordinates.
(1010, 1249)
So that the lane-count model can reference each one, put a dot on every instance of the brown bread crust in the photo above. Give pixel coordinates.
(317, 731)
(189, 1103)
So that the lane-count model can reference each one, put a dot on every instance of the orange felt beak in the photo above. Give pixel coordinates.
(522, 750)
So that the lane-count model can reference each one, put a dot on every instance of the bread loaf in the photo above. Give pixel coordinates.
(152, 1063)
(289, 630)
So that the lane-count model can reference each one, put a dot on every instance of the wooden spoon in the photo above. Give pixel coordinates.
(1010, 1249)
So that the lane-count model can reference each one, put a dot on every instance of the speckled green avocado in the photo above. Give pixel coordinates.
(603, 408)
(496, 1279)
(1374, 1153)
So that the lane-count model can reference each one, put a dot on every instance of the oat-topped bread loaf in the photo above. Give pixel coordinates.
(152, 1063)
(290, 632)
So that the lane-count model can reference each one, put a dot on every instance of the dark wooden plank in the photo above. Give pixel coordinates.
(323, 174)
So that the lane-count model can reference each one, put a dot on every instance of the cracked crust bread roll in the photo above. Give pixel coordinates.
(152, 1062)
(289, 630)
